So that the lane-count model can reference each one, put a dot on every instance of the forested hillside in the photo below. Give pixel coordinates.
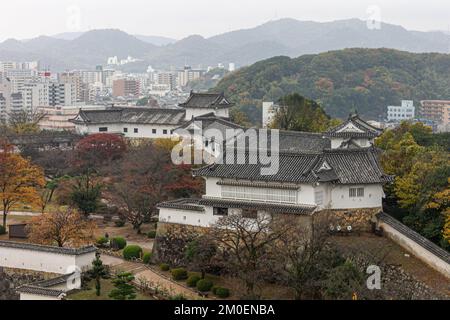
(366, 80)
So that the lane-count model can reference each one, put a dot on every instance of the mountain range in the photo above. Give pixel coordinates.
(286, 37)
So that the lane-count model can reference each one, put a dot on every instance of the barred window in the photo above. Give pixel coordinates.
(319, 197)
(356, 192)
(220, 211)
(259, 194)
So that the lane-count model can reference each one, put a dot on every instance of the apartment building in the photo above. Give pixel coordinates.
(125, 88)
(437, 111)
(400, 113)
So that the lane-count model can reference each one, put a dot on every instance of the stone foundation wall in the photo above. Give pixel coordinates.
(397, 284)
(360, 220)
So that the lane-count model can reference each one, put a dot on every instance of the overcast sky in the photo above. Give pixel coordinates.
(23, 19)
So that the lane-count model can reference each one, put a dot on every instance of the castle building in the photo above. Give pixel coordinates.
(145, 122)
(336, 171)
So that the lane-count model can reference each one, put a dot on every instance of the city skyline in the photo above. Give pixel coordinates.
(50, 17)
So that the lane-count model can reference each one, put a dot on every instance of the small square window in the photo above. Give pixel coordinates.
(154, 131)
(164, 131)
(103, 129)
(220, 211)
(125, 130)
(136, 130)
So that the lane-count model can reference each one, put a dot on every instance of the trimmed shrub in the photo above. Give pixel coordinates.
(147, 257)
(192, 281)
(151, 234)
(222, 292)
(119, 242)
(132, 252)
(204, 285)
(102, 241)
(213, 289)
(178, 297)
(179, 274)
(164, 267)
(2, 230)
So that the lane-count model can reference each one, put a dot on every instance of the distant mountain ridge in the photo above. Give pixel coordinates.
(287, 37)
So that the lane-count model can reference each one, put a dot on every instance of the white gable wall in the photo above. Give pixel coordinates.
(340, 198)
(196, 112)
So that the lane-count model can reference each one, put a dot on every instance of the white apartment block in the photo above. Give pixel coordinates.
(404, 112)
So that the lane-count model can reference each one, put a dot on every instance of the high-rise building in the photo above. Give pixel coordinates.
(437, 111)
(167, 78)
(74, 80)
(187, 75)
(61, 94)
(404, 112)
(125, 88)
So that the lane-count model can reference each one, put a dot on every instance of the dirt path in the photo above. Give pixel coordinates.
(141, 271)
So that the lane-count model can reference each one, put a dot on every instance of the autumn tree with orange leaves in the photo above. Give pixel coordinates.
(65, 227)
(19, 180)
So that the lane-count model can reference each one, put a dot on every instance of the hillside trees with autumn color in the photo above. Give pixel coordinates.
(19, 180)
(420, 195)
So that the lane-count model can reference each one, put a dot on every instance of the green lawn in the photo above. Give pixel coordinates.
(107, 286)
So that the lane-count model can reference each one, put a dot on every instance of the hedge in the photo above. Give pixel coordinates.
(147, 257)
(151, 234)
(101, 241)
(2, 230)
(120, 242)
(192, 281)
(204, 285)
(179, 274)
(164, 267)
(222, 292)
(132, 252)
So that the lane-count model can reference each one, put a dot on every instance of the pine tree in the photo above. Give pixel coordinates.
(124, 290)
(98, 272)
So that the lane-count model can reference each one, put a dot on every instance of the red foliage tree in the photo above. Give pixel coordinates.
(99, 149)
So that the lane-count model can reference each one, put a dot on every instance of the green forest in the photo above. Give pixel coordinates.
(366, 80)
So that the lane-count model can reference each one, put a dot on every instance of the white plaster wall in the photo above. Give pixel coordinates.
(417, 250)
(306, 195)
(373, 197)
(212, 189)
(42, 261)
(195, 112)
(193, 218)
(84, 261)
(144, 130)
(34, 297)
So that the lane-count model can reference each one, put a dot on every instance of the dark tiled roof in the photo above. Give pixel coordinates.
(40, 291)
(44, 288)
(353, 166)
(289, 141)
(211, 121)
(206, 100)
(417, 238)
(269, 206)
(132, 116)
(368, 131)
(51, 249)
(182, 204)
